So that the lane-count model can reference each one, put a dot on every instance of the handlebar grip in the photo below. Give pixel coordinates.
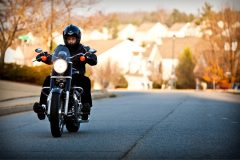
(82, 58)
(43, 58)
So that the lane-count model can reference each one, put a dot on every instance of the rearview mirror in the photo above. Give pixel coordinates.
(91, 50)
(38, 50)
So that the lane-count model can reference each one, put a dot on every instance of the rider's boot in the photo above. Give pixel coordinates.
(39, 109)
(86, 111)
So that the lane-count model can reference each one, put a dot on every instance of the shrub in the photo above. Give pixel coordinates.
(121, 83)
(33, 75)
(157, 85)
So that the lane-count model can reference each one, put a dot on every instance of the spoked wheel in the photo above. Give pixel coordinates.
(73, 123)
(56, 116)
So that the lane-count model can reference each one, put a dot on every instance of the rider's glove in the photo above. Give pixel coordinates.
(39, 56)
(88, 55)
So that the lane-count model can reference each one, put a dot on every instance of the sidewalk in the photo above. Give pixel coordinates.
(17, 97)
(10, 90)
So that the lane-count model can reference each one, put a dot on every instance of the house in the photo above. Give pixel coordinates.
(182, 30)
(101, 46)
(95, 34)
(172, 48)
(24, 53)
(151, 32)
(178, 30)
(194, 30)
(129, 57)
(14, 56)
(126, 31)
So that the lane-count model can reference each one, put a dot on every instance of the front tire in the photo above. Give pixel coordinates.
(56, 116)
(73, 124)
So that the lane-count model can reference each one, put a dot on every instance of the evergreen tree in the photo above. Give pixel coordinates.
(184, 70)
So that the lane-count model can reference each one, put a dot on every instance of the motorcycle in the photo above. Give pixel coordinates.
(64, 105)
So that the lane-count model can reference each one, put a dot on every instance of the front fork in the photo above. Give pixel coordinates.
(66, 103)
(49, 101)
(67, 96)
(66, 87)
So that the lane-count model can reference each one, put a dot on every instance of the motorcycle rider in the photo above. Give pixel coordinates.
(72, 38)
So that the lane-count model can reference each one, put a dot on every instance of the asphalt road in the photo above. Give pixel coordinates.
(134, 125)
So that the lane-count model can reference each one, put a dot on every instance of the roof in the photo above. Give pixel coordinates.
(177, 26)
(102, 45)
(148, 50)
(145, 27)
(196, 45)
(122, 26)
(125, 26)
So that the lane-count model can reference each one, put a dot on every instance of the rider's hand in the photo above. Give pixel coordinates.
(91, 58)
(88, 55)
(39, 56)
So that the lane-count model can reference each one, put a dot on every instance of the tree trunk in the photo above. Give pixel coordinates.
(214, 84)
(3, 51)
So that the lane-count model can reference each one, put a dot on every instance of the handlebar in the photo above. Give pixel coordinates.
(43, 58)
(82, 57)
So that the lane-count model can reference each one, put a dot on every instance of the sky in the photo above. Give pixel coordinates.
(187, 6)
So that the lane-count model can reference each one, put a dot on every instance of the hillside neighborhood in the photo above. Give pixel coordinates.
(139, 51)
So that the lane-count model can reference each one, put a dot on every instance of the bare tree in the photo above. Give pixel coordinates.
(156, 74)
(52, 15)
(21, 16)
(69, 5)
(107, 73)
(14, 17)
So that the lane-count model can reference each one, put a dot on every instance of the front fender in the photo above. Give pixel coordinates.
(57, 90)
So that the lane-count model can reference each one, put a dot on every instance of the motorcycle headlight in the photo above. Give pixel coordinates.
(60, 66)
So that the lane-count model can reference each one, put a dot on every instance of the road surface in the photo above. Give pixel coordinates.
(134, 125)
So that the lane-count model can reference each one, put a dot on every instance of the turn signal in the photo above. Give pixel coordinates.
(44, 58)
(82, 58)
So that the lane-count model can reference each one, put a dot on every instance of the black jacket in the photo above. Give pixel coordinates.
(91, 60)
(80, 66)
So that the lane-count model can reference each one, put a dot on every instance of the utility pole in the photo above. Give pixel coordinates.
(173, 79)
(51, 27)
(173, 47)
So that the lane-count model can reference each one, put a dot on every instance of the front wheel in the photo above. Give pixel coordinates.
(73, 124)
(56, 116)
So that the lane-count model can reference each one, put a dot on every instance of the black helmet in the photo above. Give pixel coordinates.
(72, 30)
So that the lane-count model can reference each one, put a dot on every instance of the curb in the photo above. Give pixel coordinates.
(233, 91)
(27, 105)
(16, 109)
